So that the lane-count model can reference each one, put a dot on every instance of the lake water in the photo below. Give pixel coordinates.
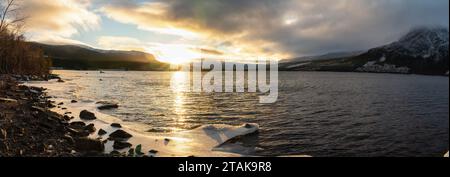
(317, 113)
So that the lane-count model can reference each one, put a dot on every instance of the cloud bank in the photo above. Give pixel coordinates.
(57, 21)
(292, 27)
(237, 28)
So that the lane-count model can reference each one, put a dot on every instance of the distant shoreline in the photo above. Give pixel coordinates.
(326, 71)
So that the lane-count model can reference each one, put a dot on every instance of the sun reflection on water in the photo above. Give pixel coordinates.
(179, 85)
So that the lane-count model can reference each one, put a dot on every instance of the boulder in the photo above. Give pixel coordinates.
(7, 100)
(121, 145)
(102, 132)
(119, 135)
(69, 139)
(86, 115)
(78, 133)
(77, 125)
(107, 105)
(248, 126)
(116, 125)
(89, 145)
(90, 128)
(153, 151)
(115, 153)
(74, 101)
(66, 118)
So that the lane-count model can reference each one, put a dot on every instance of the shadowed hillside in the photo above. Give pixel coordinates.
(83, 58)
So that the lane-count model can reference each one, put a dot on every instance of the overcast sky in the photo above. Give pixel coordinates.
(177, 30)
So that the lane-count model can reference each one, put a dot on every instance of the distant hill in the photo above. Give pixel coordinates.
(84, 58)
(422, 51)
(322, 57)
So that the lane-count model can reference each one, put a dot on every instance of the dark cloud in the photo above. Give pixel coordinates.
(304, 27)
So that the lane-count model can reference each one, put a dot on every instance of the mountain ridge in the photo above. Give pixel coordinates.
(83, 58)
(423, 50)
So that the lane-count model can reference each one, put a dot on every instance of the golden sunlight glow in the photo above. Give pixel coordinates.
(175, 31)
(175, 54)
(180, 82)
(179, 85)
(290, 20)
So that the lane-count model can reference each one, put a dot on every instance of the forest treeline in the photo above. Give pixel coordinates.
(16, 55)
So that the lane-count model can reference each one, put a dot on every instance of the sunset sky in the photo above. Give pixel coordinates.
(179, 30)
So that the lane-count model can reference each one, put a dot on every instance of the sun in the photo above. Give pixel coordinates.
(176, 54)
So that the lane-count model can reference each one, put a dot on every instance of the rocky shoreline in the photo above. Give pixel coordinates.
(29, 129)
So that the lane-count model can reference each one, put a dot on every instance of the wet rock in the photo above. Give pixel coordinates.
(34, 91)
(53, 76)
(131, 152)
(248, 126)
(120, 135)
(86, 115)
(78, 133)
(89, 145)
(38, 109)
(77, 125)
(106, 105)
(7, 100)
(153, 151)
(121, 145)
(90, 128)
(115, 153)
(3, 134)
(67, 118)
(69, 139)
(4, 146)
(102, 132)
(116, 125)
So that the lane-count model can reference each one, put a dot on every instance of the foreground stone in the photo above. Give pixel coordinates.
(77, 125)
(107, 105)
(116, 125)
(90, 128)
(118, 145)
(102, 132)
(153, 151)
(119, 135)
(7, 100)
(86, 115)
(28, 128)
(89, 145)
(78, 132)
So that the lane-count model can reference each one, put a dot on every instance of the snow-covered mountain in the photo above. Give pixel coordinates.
(423, 50)
(424, 42)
